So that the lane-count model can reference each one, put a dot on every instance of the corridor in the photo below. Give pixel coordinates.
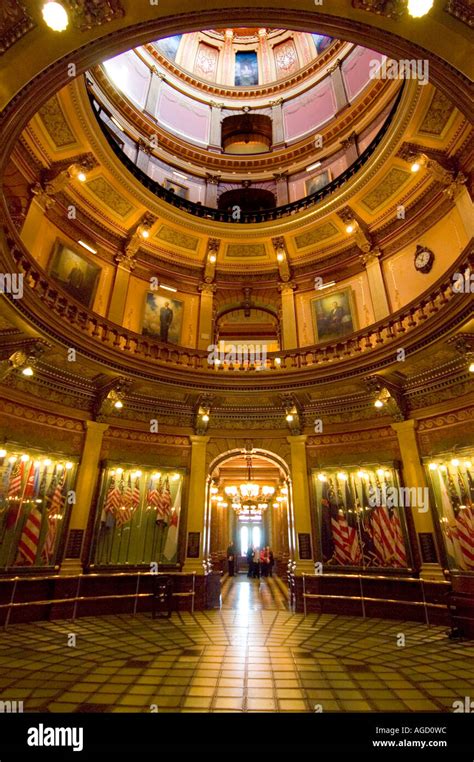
(252, 655)
(244, 594)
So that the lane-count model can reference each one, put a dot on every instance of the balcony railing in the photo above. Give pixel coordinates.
(59, 315)
(217, 215)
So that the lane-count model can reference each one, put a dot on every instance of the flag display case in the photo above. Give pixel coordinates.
(36, 495)
(360, 518)
(452, 483)
(138, 515)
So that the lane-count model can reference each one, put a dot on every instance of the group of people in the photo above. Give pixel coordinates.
(260, 562)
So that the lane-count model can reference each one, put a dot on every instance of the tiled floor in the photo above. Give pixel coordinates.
(251, 656)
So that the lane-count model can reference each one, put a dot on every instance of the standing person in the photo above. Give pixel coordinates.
(264, 562)
(250, 561)
(271, 561)
(256, 563)
(166, 318)
(231, 559)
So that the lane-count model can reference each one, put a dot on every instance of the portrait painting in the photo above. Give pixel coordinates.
(168, 46)
(246, 68)
(177, 188)
(334, 315)
(163, 318)
(317, 182)
(74, 272)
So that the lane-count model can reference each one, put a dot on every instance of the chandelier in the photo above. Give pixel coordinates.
(250, 490)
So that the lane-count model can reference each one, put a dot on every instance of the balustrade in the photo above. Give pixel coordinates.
(42, 302)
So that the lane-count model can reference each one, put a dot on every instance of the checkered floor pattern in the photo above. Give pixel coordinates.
(253, 655)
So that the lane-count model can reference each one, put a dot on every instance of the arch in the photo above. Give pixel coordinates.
(257, 451)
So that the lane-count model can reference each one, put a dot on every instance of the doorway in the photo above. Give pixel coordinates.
(249, 506)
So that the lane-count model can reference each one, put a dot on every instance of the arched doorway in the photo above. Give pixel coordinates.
(249, 504)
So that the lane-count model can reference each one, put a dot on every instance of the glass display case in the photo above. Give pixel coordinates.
(361, 518)
(138, 514)
(36, 494)
(451, 479)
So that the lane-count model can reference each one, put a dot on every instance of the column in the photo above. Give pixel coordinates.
(205, 314)
(278, 130)
(34, 221)
(196, 519)
(156, 82)
(339, 87)
(212, 181)
(119, 292)
(86, 482)
(288, 320)
(301, 504)
(215, 129)
(228, 61)
(282, 195)
(414, 476)
(378, 294)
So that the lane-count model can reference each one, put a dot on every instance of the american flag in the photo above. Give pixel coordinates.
(14, 490)
(54, 506)
(113, 498)
(464, 517)
(345, 538)
(16, 479)
(29, 539)
(136, 493)
(164, 504)
(125, 509)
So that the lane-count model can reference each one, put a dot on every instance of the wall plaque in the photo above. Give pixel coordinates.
(428, 548)
(304, 546)
(74, 543)
(194, 540)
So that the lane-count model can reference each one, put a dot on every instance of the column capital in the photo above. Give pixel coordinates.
(96, 426)
(297, 439)
(207, 288)
(371, 256)
(287, 286)
(199, 439)
(403, 426)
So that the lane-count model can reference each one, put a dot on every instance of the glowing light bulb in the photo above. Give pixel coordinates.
(415, 167)
(378, 403)
(342, 476)
(47, 462)
(82, 177)
(443, 468)
(3, 453)
(471, 368)
(12, 459)
(350, 229)
(419, 8)
(55, 16)
(433, 466)
(212, 258)
(455, 462)
(25, 458)
(118, 405)
(322, 478)
(205, 418)
(289, 417)
(120, 470)
(27, 371)
(69, 465)
(380, 472)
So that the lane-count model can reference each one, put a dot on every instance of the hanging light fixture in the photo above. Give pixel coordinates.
(250, 489)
